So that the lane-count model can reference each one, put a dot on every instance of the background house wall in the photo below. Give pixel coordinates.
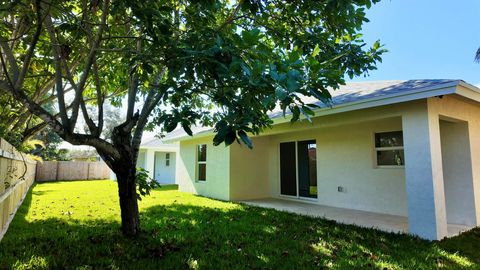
(217, 184)
(163, 173)
(153, 159)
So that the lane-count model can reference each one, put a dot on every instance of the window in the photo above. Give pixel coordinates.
(202, 162)
(389, 148)
(167, 159)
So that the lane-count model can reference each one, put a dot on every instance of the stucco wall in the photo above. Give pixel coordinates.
(249, 170)
(345, 157)
(453, 108)
(217, 184)
(457, 172)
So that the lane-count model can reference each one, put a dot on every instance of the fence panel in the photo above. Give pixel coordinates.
(46, 170)
(72, 170)
(17, 173)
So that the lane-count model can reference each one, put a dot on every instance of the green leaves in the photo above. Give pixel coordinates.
(170, 125)
(251, 37)
(316, 51)
(245, 139)
(144, 183)
(228, 134)
(187, 129)
(231, 66)
(293, 80)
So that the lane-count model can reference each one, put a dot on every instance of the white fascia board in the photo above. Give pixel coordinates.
(161, 148)
(469, 91)
(470, 86)
(201, 134)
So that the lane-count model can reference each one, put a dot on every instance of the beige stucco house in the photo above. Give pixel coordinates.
(397, 155)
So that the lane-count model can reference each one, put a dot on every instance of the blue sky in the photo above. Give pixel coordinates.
(426, 39)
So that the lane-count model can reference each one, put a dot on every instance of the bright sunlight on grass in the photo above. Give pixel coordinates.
(75, 225)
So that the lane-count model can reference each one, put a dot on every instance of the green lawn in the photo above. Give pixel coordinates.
(75, 225)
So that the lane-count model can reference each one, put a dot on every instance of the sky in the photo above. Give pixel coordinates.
(425, 39)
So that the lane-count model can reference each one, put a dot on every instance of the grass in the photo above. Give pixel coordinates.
(75, 225)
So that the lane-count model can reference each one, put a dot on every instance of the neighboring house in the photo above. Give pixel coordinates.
(159, 159)
(396, 149)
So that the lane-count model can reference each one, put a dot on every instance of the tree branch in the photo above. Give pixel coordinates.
(91, 125)
(89, 62)
(30, 132)
(100, 97)
(132, 88)
(73, 138)
(231, 18)
(58, 71)
(154, 96)
(10, 58)
(31, 48)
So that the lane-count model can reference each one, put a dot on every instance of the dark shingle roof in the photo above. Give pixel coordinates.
(358, 91)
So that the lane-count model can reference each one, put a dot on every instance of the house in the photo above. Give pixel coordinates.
(159, 159)
(397, 155)
(83, 155)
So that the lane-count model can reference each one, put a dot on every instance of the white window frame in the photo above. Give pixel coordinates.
(197, 162)
(389, 148)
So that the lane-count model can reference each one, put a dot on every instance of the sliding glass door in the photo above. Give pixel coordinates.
(298, 169)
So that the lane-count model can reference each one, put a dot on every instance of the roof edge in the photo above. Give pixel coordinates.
(415, 94)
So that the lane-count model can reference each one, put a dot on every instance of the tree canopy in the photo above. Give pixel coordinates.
(173, 63)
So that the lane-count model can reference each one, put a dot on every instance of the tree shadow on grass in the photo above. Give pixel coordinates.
(181, 236)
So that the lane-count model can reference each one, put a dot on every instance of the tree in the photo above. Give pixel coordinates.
(48, 148)
(17, 124)
(178, 62)
(112, 118)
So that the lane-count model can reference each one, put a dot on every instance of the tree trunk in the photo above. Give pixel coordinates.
(128, 200)
(124, 166)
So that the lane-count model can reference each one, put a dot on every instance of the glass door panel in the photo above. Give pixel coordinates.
(288, 175)
(307, 168)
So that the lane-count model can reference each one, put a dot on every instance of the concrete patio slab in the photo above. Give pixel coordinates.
(384, 222)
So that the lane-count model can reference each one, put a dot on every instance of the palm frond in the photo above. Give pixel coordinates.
(477, 56)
